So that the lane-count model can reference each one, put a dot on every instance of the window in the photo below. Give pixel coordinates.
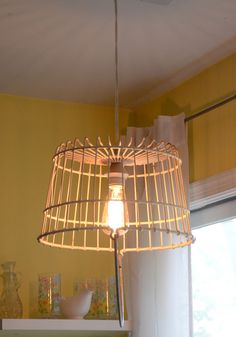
(214, 280)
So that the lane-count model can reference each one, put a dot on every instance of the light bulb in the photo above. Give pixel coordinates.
(115, 211)
(115, 208)
(115, 214)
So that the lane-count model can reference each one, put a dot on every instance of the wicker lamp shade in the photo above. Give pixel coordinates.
(156, 215)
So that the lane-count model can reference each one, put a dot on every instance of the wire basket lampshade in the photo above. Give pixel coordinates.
(142, 182)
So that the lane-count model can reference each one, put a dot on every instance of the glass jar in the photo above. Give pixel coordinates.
(10, 302)
(49, 295)
(103, 305)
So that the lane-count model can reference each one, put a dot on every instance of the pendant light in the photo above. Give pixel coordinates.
(122, 197)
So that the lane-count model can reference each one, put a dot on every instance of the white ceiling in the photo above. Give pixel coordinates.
(64, 49)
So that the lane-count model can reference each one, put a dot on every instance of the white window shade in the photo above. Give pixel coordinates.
(213, 199)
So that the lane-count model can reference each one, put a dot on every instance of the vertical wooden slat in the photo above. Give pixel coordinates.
(165, 193)
(99, 205)
(162, 194)
(94, 190)
(158, 206)
(87, 203)
(186, 216)
(137, 217)
(58, 209)
(51, 198)
(81, 189)
(147, 185)
(170, 171)
(76, 204)
(180, 193)
(107, 181)
(68, 195)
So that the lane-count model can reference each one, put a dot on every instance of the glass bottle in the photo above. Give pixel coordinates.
(10, 302)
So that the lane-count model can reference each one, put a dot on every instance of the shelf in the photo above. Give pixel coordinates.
(45, 327)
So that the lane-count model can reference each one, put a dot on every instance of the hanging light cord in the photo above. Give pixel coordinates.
(116, 76)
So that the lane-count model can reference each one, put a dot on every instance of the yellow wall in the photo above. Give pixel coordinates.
(30, 131)
(212, 140)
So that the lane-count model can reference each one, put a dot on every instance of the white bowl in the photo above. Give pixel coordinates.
(77, 307)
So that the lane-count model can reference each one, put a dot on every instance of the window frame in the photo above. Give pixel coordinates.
(213, 199)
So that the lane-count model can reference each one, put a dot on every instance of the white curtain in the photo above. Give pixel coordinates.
(158, 284)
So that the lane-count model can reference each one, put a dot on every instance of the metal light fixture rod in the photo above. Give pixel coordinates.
(118, 267)
(116, 76)
(119, 282)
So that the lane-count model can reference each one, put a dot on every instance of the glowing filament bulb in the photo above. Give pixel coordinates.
(115, 215)
(116, 208)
